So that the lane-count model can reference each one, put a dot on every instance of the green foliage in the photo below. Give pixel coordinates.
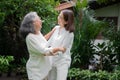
(81, 4)
(2, 17)
(113, 35)
(77, 74)
(104, 51)
(5, 63)
(21, 68)
(84, 38)
(11, 14)
(105, 1)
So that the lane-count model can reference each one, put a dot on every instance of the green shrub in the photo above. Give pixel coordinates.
(11, 14)
(78, 74)
(85, 35)
(5, 63)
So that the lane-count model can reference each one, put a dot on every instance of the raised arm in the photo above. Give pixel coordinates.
(48, 35)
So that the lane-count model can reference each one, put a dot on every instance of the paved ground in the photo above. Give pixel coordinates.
(13, 77)
(10, 78)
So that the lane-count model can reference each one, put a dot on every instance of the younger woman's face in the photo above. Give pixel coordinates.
(61, 20)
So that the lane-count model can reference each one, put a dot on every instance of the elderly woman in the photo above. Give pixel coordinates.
(38, 65)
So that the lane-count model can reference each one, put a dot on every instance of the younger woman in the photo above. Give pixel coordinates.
(62, 36)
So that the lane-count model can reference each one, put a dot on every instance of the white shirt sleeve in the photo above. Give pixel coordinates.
(36, 46)
(68, 41)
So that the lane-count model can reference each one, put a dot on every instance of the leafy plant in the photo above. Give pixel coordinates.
(5, 63)
(84, 38)
(78, 74)
(11, 14)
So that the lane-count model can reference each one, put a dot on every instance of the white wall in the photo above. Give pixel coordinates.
(109, 11)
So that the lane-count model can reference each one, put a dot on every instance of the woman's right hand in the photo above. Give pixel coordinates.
(62, 49)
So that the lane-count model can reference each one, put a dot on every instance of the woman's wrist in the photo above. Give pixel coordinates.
(62, 49)
(55, 50)
(50, 53)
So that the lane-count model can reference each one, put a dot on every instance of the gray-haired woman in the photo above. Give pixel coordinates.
(38, 65)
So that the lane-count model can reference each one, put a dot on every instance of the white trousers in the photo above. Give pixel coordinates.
(40, 79)
(58, 72)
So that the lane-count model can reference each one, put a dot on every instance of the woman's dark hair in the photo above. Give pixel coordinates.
(69, 18)
(27, 25)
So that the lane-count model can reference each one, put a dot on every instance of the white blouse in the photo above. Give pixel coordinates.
(61, 38)
(38, 65)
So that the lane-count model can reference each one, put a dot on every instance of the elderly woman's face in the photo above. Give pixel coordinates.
(38, 23)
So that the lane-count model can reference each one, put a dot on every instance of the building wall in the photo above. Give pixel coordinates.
(109, 11)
